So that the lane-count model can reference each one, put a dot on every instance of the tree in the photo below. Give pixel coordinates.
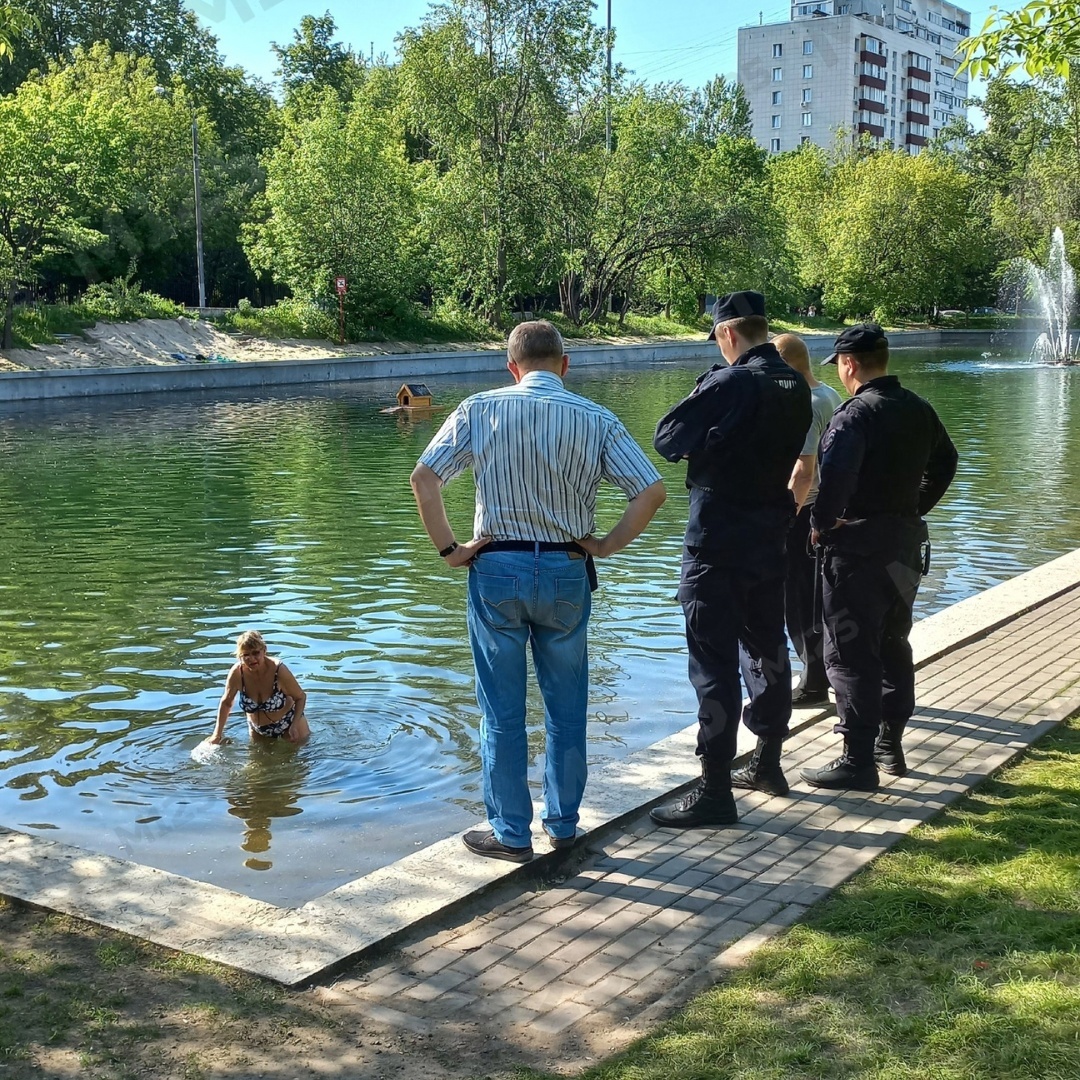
(14, 21)
(721, 108)
(63, 158)
(494, 90)
(664, 213)
(342, 201)
(164, 30)
(799, 181)
(1043, 38)
(314, 62)
(901, 234)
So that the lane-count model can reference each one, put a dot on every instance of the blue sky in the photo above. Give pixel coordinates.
(680, 40)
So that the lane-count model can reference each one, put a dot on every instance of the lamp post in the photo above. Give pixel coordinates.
(198, 209)
(607, 125)
(163, 93)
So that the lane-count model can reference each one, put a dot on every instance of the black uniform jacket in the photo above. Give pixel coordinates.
(741, 430)
(886, 460)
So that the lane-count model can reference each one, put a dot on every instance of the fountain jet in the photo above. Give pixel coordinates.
(1055, 290)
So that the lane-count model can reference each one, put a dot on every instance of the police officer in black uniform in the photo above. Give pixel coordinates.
(886, 460)
(740, 430)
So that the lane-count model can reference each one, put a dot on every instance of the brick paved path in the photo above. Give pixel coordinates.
(651, 916)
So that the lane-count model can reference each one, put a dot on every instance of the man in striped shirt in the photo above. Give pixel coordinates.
(538, 454)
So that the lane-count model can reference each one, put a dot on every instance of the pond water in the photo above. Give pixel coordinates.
(140, 536)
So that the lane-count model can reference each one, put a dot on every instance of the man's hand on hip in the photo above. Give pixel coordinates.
(463, 554)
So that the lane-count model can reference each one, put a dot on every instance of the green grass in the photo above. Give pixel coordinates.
(119, 301)
(308, 320)
(955, 957)
(634, 326)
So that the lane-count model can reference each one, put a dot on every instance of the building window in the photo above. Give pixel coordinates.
(774, 146)
(778, 50)
(807, 119)
(808, 71)
(776, 120)
(892, 130)
(807, 95)
(777, 74)
(845, 9)
(807, 48)
(804, 140)
(776, 95)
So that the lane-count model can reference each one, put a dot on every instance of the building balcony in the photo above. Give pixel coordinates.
(916, 140)
(877, 130)
(866, 105)
(870, 80)
(918, 95)
(919, 73)
(873, 58)
(917, 118)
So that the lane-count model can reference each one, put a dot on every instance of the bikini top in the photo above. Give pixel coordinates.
(274, 703)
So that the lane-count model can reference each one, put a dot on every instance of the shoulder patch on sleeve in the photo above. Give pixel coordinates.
(827, 438)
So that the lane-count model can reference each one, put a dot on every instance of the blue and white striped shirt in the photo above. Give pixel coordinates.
(538, 454)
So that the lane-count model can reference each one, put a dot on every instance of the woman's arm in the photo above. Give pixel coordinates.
(232, 685)
(287, 682)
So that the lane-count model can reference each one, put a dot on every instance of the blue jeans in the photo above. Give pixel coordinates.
(542, 600)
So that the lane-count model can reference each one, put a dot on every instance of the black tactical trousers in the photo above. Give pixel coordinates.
(867, 602)
(807, 639)
(735, 621)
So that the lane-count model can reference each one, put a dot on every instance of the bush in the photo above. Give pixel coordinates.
(291, 318)
(123, 300)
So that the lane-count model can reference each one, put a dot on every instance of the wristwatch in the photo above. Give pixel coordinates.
(448, 550)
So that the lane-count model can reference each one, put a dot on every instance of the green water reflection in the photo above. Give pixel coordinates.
(139, 536)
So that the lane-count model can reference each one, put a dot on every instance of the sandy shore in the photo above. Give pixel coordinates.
(173, 342)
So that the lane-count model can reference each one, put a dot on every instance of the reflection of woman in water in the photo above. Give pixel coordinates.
(269, 694)
(266, 788)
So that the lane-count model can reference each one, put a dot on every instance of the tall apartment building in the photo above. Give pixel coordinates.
(886, 68)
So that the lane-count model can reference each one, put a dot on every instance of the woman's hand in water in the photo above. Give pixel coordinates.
(218, 740)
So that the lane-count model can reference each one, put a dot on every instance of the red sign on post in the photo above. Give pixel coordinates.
(341, 285)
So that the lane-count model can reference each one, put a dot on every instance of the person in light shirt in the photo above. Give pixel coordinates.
(538, 454)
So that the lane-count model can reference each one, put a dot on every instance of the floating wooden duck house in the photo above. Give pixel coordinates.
(414, 396)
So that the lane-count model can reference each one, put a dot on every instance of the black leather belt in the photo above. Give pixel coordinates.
(545, 545)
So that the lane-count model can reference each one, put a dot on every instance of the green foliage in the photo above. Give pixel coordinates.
(342, 201)
(123, 300)
(1026, 165)
(64, 157)
(501, 97)
(721, 109)
(313, 62)
(14, 21)
(1043, 38)
(296, 317)
(880, 232)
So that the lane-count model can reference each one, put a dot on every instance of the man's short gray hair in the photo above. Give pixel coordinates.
(534, 342)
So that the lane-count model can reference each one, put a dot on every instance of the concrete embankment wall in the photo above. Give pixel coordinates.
(93, 382)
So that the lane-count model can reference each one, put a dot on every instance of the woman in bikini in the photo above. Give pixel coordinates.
(269, 694)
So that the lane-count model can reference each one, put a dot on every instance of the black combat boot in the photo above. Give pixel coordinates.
(854, 770)
(888, 751)
(709, 804)
(763, 773)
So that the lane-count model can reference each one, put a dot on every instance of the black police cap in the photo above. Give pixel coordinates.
(736, 305)
(861, 338)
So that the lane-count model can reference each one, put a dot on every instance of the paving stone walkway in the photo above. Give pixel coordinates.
(648, 916)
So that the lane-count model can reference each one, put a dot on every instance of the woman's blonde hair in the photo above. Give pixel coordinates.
(250, 641)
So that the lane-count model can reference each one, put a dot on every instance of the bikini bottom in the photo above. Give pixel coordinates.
(276, 729)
